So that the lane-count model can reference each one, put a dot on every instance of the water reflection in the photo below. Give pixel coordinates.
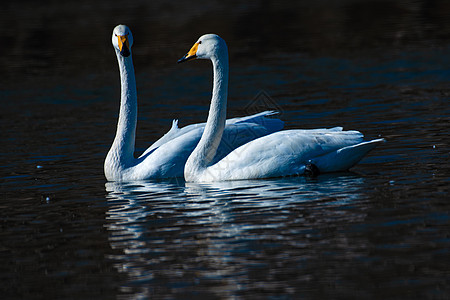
(216, 239)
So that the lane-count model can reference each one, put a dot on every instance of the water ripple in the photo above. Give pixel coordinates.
(223, 232)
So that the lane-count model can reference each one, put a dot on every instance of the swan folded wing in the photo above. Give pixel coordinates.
(168, 159)
(238, 134)
(269, 124)
(283, 153)
(172, 134)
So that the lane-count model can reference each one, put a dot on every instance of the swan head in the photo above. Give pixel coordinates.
(208, 46)
(122, 40)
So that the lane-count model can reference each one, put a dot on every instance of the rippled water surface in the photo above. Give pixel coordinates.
(380, 231)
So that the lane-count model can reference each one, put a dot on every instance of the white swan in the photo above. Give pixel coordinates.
(283, 153)
(167, 156)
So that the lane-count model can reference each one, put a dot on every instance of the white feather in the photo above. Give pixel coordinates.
(167, 156)
(282, 153)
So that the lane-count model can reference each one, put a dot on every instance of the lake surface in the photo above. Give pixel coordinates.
(380, 231)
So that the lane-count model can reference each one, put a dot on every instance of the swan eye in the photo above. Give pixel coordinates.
(199, 42)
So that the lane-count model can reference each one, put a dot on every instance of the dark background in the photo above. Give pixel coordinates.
(72, 38)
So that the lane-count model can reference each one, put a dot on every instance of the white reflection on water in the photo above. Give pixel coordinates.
(210, 238)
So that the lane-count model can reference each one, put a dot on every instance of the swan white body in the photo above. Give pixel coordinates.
(283, 153)
(166, 158)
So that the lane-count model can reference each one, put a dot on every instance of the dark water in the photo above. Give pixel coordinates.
(379, 232)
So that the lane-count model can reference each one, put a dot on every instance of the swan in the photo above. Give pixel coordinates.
(282, 153)
(167, 156)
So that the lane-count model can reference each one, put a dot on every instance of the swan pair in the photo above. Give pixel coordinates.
(167, 156)
(251, 147)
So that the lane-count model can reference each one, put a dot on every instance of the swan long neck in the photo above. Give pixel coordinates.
(206, 149)
(121, 154)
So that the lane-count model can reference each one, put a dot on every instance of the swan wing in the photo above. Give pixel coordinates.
(272, 124)
(171, 134)
(262, 126)
(286, 153)
(168, 159)
(238, 134)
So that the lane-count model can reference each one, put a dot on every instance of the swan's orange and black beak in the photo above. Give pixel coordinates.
(192, 54)
(124, 45)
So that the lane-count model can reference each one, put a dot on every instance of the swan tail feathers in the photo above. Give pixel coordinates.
(344, 158)
(174, 125)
